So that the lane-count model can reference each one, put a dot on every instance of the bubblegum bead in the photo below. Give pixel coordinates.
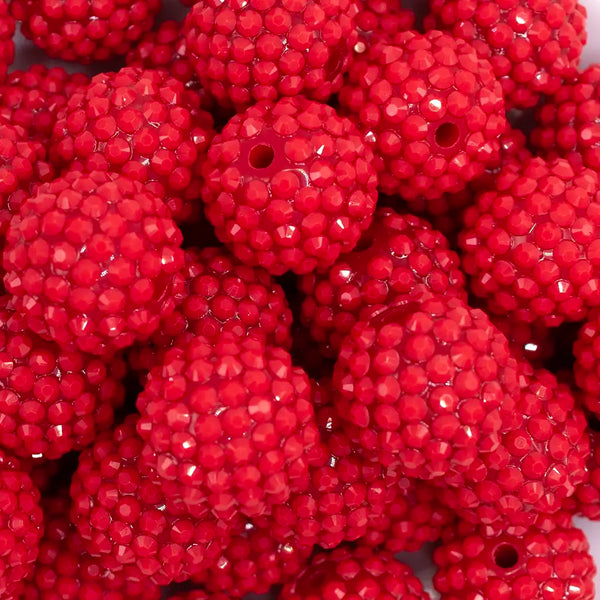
(65, 571)
(51, 401)
(7, 46)
(142, 124)
(347, 573)
(21, 526)
(531, 45)
(424, 385)
(395, 256)
(220, 294)
(92, 261)
(85, 31)
(289, 186)
(539, 463)
(532, 244)
(229, 422)
(127, 517)
(253, 562)
(33, 98)
(245, 52)
(566, 125)
(537, 565)
(432, 109)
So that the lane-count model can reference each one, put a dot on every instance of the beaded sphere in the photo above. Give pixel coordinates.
(126, 516)
(348, 573)
(51, 401)
(531, 45)
(7, 46)
(566, 125)
(21, 526)
(65, 571)
(532, 244)
(33, 98)
(220, 294)
(424, 385)
(538, 465)
(396, 256)
(289, 186)
(92, 261)
(587, 362)
(432, 109)
(230, 422)
(246, 52)
(142, 124)
(85, 31)
(536, 565)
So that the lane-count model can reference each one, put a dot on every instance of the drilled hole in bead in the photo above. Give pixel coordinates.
(261, 156)
(506, 556)
(446, 135)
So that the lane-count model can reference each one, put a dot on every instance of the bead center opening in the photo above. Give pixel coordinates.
(261, 156)
(446, 135)
(506, 556)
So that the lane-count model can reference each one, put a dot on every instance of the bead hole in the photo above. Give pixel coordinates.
(506, 556)
(446, 135)
(261, 156)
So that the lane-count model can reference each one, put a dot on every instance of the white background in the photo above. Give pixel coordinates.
(26, 54)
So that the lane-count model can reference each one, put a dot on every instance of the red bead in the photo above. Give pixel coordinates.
(220, 295)
(531, 45)
(93, 261)
(346, 574)
(552, 564)
(532, 244)
(85, 31)
(230, 423)
(587, 362)
(246, 52)
(51, 401)
(289, 186)
(539, 463)
(141, 124)
(567, 125)
(432, 109)
(396, 255)
(424, 385)
(128, 517)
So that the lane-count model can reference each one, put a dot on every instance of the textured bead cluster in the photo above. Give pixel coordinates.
(296, 287)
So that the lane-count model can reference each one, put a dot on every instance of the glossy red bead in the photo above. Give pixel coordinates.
(395, 256)
(51, 401)
(247, 52)
(230, 423)
(289, 186)
(127, 516)
(432, 109)
(532, 245)
(347, 573)
(587, 362)
(424, 385)
(93, 261)
(85, 31)
(531, 45)
(142, 124)
(539, 464)
(553, 564)
(7, 46)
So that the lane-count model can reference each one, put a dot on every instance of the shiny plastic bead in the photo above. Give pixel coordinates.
(93, 261)
(289, 186)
